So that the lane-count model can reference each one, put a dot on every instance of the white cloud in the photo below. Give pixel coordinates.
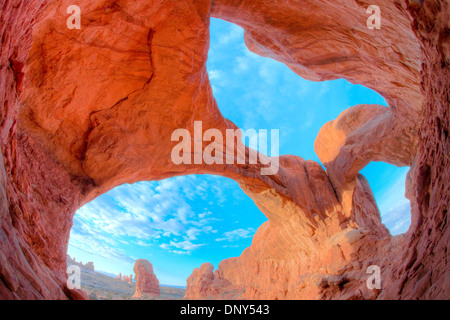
(236, 235)
(204, 214)
(146, 214)
(192, 233)
(170, 227)
(241, 64)
(234, 34)
(185, 245)
(180, 252)
(398, 219)
(95, 246)
(268, 72)
(143, 243)
(214, 74)
(395, 209)
(231, 246)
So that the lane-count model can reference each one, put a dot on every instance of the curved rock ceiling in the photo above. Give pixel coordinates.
(86, 110)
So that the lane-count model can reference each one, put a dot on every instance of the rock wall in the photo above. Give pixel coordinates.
(37, 199)
(427, 256)
(83, 111)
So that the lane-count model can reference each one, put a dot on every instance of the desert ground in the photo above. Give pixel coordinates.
(102, 287)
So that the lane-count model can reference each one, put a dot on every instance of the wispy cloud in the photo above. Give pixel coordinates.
(185, 247)
(237, 234)
(394, 207)
(233, 34)
(100, 248)
(146, 214)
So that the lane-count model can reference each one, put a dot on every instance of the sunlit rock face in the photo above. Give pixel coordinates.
(205, 283)
(83, 111)
(147, 284)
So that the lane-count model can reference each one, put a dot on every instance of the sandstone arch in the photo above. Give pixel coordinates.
(85, 111)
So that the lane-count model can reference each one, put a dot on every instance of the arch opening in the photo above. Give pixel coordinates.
(388, 181)
(162, 221)
(177, 224)
(258, 92)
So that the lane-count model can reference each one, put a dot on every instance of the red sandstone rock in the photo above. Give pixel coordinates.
(119, 277)
(362, 134)
(203, 284)
(146, 281)
(81, 111)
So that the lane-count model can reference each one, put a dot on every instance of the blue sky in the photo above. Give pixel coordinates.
(182, 222)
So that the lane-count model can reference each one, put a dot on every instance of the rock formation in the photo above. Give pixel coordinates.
(146, 281)
(87, 268)
(119, 277)
(205, 283)
(83, 111)
(126, 278)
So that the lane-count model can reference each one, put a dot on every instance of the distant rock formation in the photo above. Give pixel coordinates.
(146, 281)
(125, 278)
(88, 267)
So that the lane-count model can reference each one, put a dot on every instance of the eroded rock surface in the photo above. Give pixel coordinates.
(205, 283)
(83, 111)
(146, 281)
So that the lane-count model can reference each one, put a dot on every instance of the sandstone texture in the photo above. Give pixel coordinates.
(205, 283)
(83, 111)
(146, 281)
